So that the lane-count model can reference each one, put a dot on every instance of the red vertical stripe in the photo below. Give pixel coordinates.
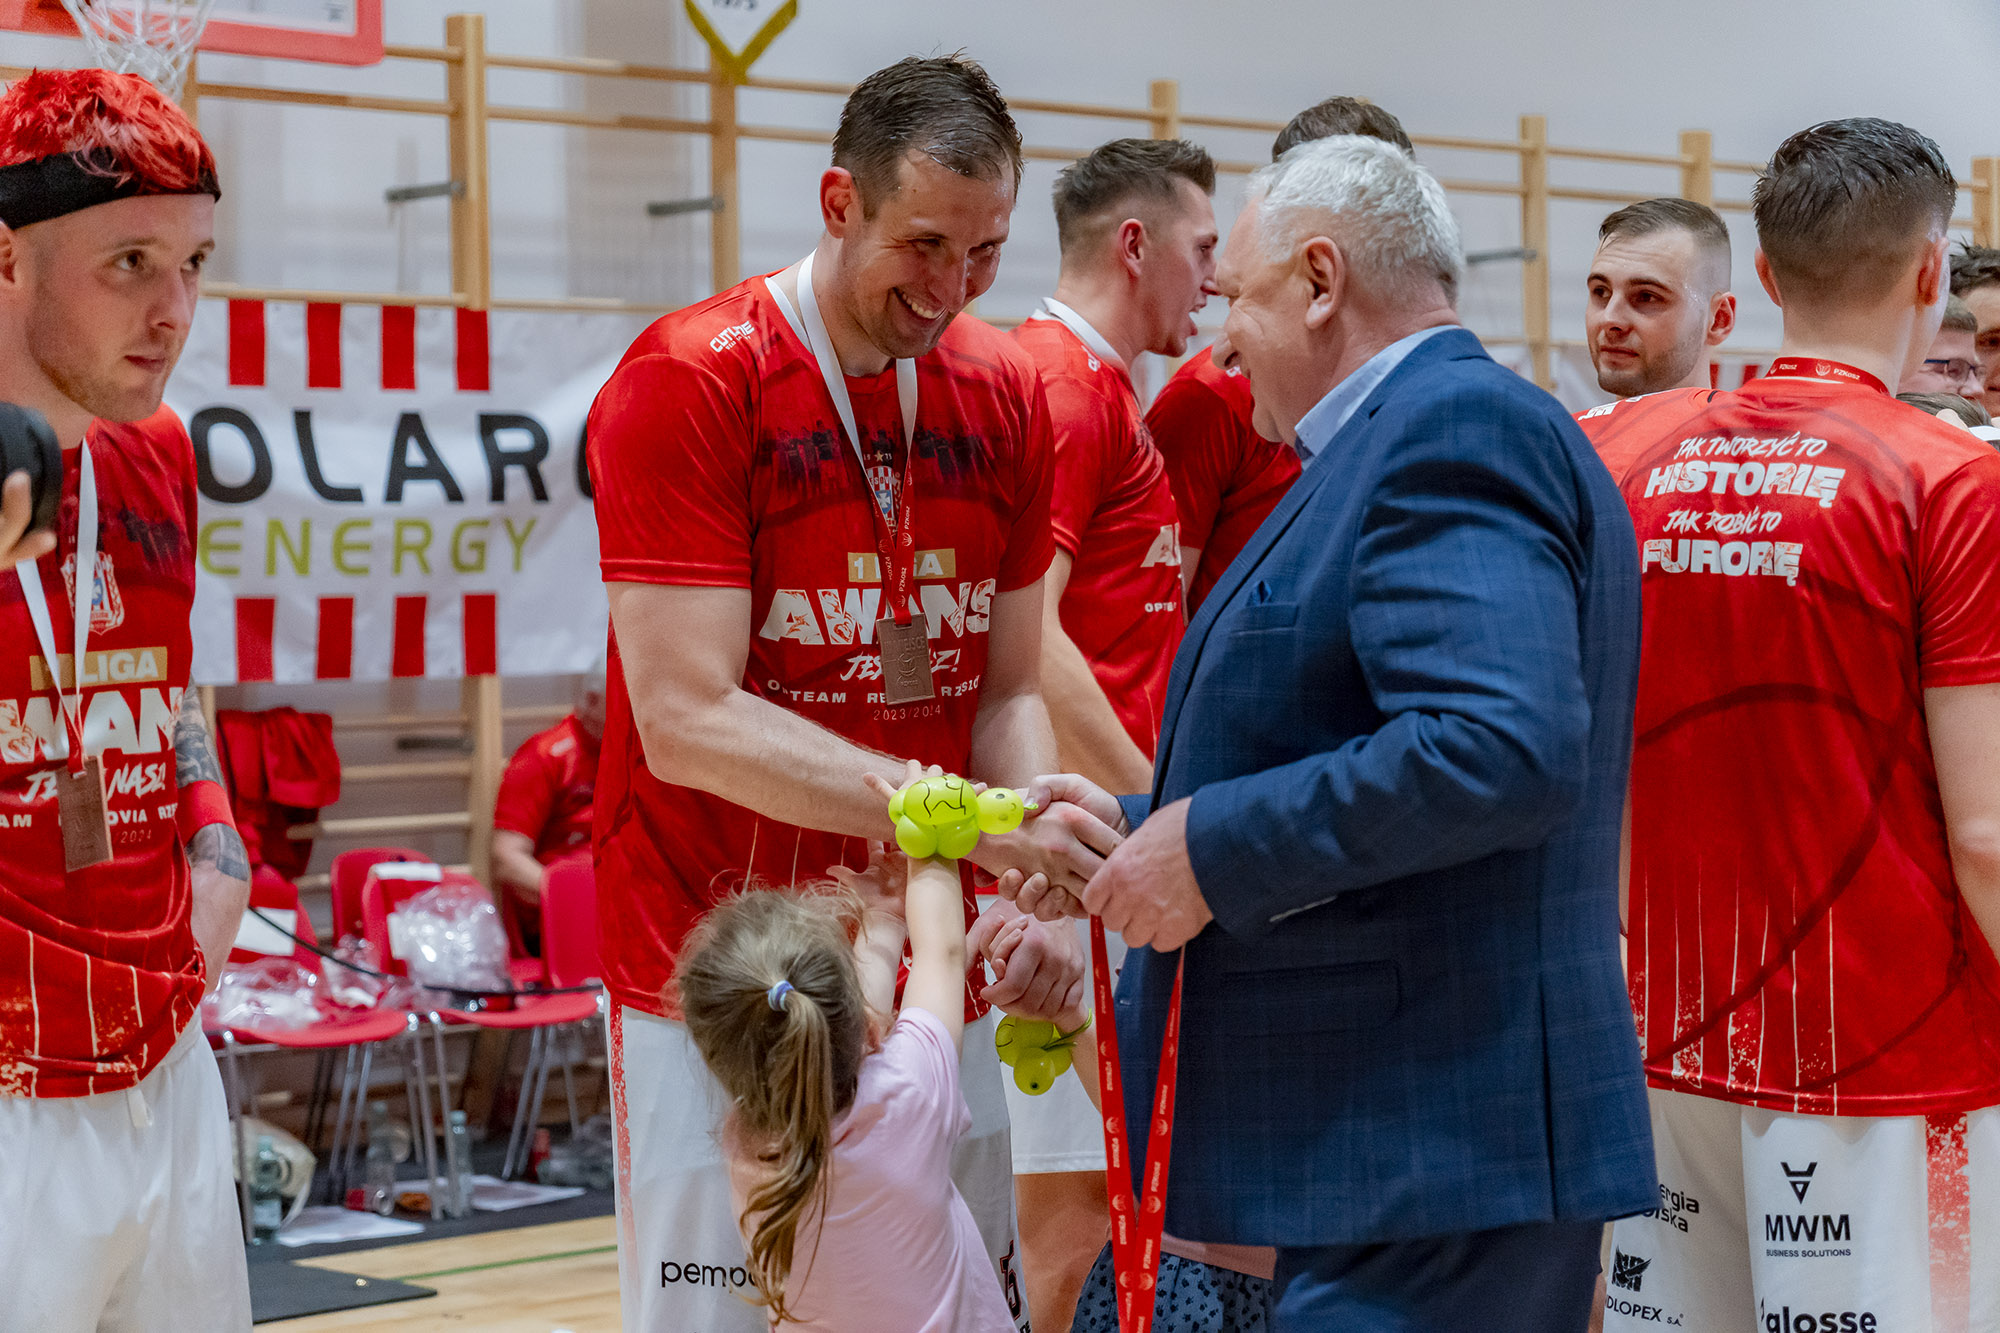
(475, 369)
(255, 617)
(322, 345)
(246, 343)
(399, 347)
(336, 639)
(1751, 370)
(1950, 1190)
(1715, 374)
(482, 643)
(406, 657)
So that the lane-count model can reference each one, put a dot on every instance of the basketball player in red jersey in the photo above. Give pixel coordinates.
(1815, 868)
(1659, 299)
(1227, 470)
(1138, 238)
(823, 512)
(122, 880)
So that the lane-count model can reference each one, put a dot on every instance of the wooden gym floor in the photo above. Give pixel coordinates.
(562, 1276)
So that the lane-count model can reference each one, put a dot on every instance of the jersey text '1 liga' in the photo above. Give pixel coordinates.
(718, 460)
(1226, 477)
(1113, 512)
(1814, 556)
(99, 970)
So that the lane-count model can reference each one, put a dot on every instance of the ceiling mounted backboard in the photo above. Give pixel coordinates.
(339, 32)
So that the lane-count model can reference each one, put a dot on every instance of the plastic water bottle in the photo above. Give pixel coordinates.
(267, 1174)
(458, 1166)
(381, 1165)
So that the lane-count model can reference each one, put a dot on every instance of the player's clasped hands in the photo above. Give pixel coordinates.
(1044, 866)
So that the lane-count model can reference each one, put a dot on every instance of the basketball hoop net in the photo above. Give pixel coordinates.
(151, 38)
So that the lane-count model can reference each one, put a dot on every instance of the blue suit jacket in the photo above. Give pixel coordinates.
(1405, 717)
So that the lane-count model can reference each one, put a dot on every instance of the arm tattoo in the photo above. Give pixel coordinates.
(217, 845)
(194, 757)
(220, 846)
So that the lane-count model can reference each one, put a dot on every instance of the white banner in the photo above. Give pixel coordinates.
(371, 508)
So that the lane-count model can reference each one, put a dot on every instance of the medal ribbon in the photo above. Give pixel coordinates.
(1136, 1224)
(1800, 368)
(38, 607)
(898, 549)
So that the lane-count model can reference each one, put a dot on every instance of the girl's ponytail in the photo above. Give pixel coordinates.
(772, 998)
(802, 1093)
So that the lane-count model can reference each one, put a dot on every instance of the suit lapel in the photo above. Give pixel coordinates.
(1452, 344)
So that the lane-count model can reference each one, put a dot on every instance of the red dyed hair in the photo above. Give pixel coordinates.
(127, 125)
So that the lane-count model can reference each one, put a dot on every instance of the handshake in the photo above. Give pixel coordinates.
(1071, 828)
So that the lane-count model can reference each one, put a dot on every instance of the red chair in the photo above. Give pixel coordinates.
(569, 948)
(274, 903)
(348, 873)
(569, 923)
(380, 898)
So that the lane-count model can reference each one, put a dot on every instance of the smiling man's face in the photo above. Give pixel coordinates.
(928, 251)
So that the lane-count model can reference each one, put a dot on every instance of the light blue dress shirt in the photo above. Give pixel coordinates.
(1318, 427)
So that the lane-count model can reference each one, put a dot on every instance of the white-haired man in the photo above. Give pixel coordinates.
(1385, 822)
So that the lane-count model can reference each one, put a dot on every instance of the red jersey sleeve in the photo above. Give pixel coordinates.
(1958, 571)
(1197, 433)
(1030, 545)
(1084, 448)
(669, 448)
(527, 792)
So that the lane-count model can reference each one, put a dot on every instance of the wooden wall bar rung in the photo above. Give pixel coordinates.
(595, 67)
(1601, 196)
(369, 825)
(408, 771)
(223, 291)
(1614, 155)
(1461, 143)
(1270, 127)
(404, 51)
(590, 121)
(1044, 108)
(243, 92)
(535, 713)
(400, 722)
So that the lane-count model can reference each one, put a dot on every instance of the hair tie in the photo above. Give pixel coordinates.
(776, 995)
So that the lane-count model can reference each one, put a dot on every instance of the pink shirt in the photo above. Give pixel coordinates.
(899, 1249)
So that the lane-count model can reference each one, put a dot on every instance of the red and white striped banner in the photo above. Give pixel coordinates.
(393, 492)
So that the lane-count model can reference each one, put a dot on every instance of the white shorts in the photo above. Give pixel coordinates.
(118, 1212)
(680, 1256)
(1812, 1224)
(1060, 1130)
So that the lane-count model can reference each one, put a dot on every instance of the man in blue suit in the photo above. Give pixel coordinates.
(1386, 806)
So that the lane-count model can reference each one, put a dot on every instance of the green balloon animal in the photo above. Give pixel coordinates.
(944, 816)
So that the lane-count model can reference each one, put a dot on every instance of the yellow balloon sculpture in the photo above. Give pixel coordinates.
(944, 816)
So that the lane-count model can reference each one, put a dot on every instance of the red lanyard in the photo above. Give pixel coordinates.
(1798, 368)
(1136, 1224)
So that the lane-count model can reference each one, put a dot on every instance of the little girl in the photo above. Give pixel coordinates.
(840, 1140)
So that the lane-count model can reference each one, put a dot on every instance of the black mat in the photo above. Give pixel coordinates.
(591, 1203)
(284, 1290)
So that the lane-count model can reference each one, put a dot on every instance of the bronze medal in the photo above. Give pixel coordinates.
(906, 661)
(82, 817)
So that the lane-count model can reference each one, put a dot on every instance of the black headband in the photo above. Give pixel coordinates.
(49, 187)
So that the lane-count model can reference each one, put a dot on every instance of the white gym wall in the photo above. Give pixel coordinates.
(303, 203)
